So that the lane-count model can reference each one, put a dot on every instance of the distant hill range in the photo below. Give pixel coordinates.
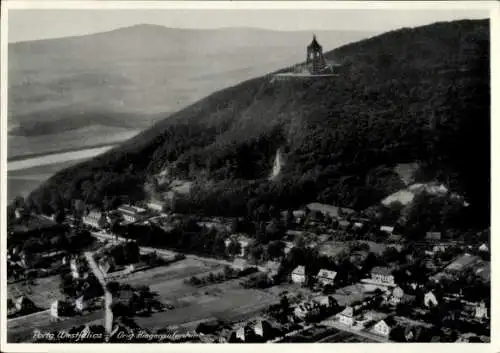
(417, 95)
(132, 77)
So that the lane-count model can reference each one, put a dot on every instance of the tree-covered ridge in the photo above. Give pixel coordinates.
(409, 95)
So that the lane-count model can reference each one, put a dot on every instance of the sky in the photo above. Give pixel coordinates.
(46, 23)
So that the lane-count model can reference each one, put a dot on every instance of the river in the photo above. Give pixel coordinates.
(24, 175)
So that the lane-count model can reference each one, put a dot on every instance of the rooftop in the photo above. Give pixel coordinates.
(299, 270)
(131, 209)
(327, 274)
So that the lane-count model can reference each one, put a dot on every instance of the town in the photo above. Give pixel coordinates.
(320, 273)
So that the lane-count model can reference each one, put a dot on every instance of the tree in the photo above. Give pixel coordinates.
(300, 242)
(18, 202)
(272, 229)
(391, 213)
(391, 254)
(113, 287)
(60, 216)
(276, 249)
(256, 252)
(235, 225)
(285, 304)
(219, 245)
(289, 218)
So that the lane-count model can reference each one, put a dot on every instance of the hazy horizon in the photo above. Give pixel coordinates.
(28, 25)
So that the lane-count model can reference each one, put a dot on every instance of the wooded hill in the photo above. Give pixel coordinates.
(419, 94)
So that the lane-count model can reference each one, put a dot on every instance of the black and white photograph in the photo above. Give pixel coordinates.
(229, 174)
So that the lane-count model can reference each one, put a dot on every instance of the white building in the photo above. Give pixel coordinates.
(382, 276)
(430, 299)
(326, 277)
(80, 304)
(481, 311)
(306, 308)
(346, 316)
(155, 205)
(484, 248)
(387, 229)
(131, 213)
(94, 219)
(382, 328)
(299, 275)
(75, 269)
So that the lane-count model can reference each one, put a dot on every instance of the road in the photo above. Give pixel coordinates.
(108, 299)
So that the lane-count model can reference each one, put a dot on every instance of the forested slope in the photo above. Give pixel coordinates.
(409, 95)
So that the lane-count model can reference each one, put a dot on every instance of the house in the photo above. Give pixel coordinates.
(155, 205)
(346, 316)
(131, 213)
(306, 308)
(326, 277)
(382, 276)
(484, 248)
(383, 327)
(357, 225)
(59, 309)
(244, 332)
(75, 268)
(325, 301)
(398, 296)
(106, 265)
(433, 236)
(94, 219)
(387, 229)
(299, 275)
(24, 304)
(481, 311)
(129, 269)
(430, 300)
(80, 304)
(439, 248)
(263, 328)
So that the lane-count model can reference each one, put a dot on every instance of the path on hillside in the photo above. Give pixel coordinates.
(108, 299)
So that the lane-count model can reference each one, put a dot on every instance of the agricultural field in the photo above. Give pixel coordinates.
(226, 301)
(42, 292)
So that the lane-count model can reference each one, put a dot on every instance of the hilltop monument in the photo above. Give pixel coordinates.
(315, 60)
(316, 66)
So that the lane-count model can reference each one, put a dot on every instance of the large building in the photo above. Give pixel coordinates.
(131, 213)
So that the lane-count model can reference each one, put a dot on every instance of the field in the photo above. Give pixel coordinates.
(333, 248)
(226, 301)
(42, 293)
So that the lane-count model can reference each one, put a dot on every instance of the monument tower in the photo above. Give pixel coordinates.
(315, 59)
